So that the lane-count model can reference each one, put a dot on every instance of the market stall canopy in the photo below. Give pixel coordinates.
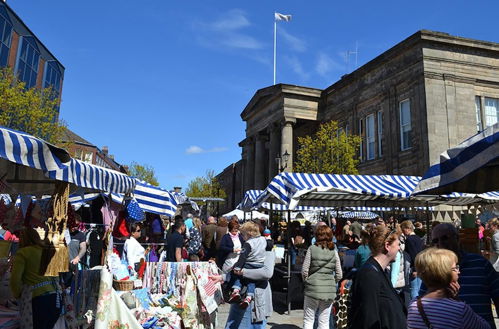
(293, 189)
(151, 199)
(181, 198)
(249, 214)
(24, 159)
(471, 167)
(93, 177)
(359, 214)
(251, 196)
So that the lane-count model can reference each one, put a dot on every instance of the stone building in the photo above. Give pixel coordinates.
(409, 104)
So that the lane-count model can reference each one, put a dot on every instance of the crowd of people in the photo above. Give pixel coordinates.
(397, 279)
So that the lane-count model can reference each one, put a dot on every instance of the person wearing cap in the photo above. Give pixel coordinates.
(266, 234)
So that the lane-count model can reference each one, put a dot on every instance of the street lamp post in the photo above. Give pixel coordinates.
(282, 162)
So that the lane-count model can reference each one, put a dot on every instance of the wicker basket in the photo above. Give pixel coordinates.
(123, 285)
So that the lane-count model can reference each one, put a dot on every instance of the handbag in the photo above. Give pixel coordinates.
(134, 212)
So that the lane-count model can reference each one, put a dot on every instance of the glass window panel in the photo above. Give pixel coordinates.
(4, 55)
(370, 136)
(405, 125)
(491, 111)
(380, 134)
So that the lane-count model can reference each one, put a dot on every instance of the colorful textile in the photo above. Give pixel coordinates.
(112, 313)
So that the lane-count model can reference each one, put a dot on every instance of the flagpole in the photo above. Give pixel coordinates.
(275, 36)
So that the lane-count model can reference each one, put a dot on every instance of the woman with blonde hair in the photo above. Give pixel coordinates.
(321, 272)
(375, 303)
(252, 256)
(439, 308)
(194, 247)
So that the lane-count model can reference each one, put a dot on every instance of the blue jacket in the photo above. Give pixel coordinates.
(226, 247)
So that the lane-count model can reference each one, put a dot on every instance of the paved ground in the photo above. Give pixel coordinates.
(280, 319)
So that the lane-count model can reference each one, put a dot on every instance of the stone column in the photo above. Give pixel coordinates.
(274, 146)
(287, 143)
(249, 170)
(260, 161)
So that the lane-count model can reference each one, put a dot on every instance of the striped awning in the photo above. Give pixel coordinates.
(251, 196)
(27, 150)
(181, 198)
(470, 167)
(359, 214)
(93, 177)
(154, 199)
(293, 189)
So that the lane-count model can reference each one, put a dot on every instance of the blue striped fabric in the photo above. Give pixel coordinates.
(251, 196)
(359, 214)
(459, 166)
(27, 150)
(154, 199)
(289, 188)
(94, 177)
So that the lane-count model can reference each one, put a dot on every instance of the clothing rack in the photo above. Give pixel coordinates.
(144, 244)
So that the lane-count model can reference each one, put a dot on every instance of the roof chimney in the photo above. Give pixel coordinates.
(105, 150)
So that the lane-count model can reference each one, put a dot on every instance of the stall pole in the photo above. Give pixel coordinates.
(289, 261)
(427, 224)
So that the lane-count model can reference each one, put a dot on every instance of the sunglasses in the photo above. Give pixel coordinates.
(455, 269)
(138, 231)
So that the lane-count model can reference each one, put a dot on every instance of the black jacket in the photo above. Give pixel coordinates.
(375, 303)
(226, 247)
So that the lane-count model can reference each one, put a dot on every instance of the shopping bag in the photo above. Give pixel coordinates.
(134, 212)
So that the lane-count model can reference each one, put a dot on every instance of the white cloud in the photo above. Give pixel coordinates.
(296, 44)
(325, 65)
(233, 20)
(237, 40)
(297, 67)
(227, 32)
(194, 149)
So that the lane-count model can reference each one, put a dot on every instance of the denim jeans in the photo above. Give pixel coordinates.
(241, 318)
(415, 286)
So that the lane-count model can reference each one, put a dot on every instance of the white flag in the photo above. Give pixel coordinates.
(281, 17)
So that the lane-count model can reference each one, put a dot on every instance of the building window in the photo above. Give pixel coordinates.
(361, 134)
(5, 39)
(491, 113)
(478, 110)
(88, 157)
(347, 129)
(28, 59)
(52, 77)
(79, 154)
(380, 134)
(370, 136)
(405, 125)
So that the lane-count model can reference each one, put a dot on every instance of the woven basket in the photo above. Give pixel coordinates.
(123, 285)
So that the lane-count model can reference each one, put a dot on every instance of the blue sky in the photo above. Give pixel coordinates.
(164, 82)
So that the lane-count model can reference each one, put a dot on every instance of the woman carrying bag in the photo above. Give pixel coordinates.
(321, 272)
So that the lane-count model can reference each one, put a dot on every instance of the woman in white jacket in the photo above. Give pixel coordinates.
(133, 251)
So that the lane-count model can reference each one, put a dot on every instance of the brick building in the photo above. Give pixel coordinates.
(28, 57)
(427, 93)
(81, 149)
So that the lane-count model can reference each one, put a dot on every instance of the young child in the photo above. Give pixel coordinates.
(252, 256)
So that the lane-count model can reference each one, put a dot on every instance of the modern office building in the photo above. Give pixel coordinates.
(28, 57)
(426, 94)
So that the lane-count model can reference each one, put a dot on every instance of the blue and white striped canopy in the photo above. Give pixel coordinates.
(154, 199)
(27, 150)
(291, 188)
(359, 214)
(94, 177)
(470, 167)
(251, 196)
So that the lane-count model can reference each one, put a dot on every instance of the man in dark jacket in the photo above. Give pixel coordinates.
(209, 238)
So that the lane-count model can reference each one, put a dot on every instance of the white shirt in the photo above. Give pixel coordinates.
(133, 251)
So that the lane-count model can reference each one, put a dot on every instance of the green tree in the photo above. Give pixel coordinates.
(34, 111)
(329, 151)
(143, 172)
(205, 186)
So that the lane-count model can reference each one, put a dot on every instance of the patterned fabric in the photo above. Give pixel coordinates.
(134, 212)
(194, 241)
(112, 313)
